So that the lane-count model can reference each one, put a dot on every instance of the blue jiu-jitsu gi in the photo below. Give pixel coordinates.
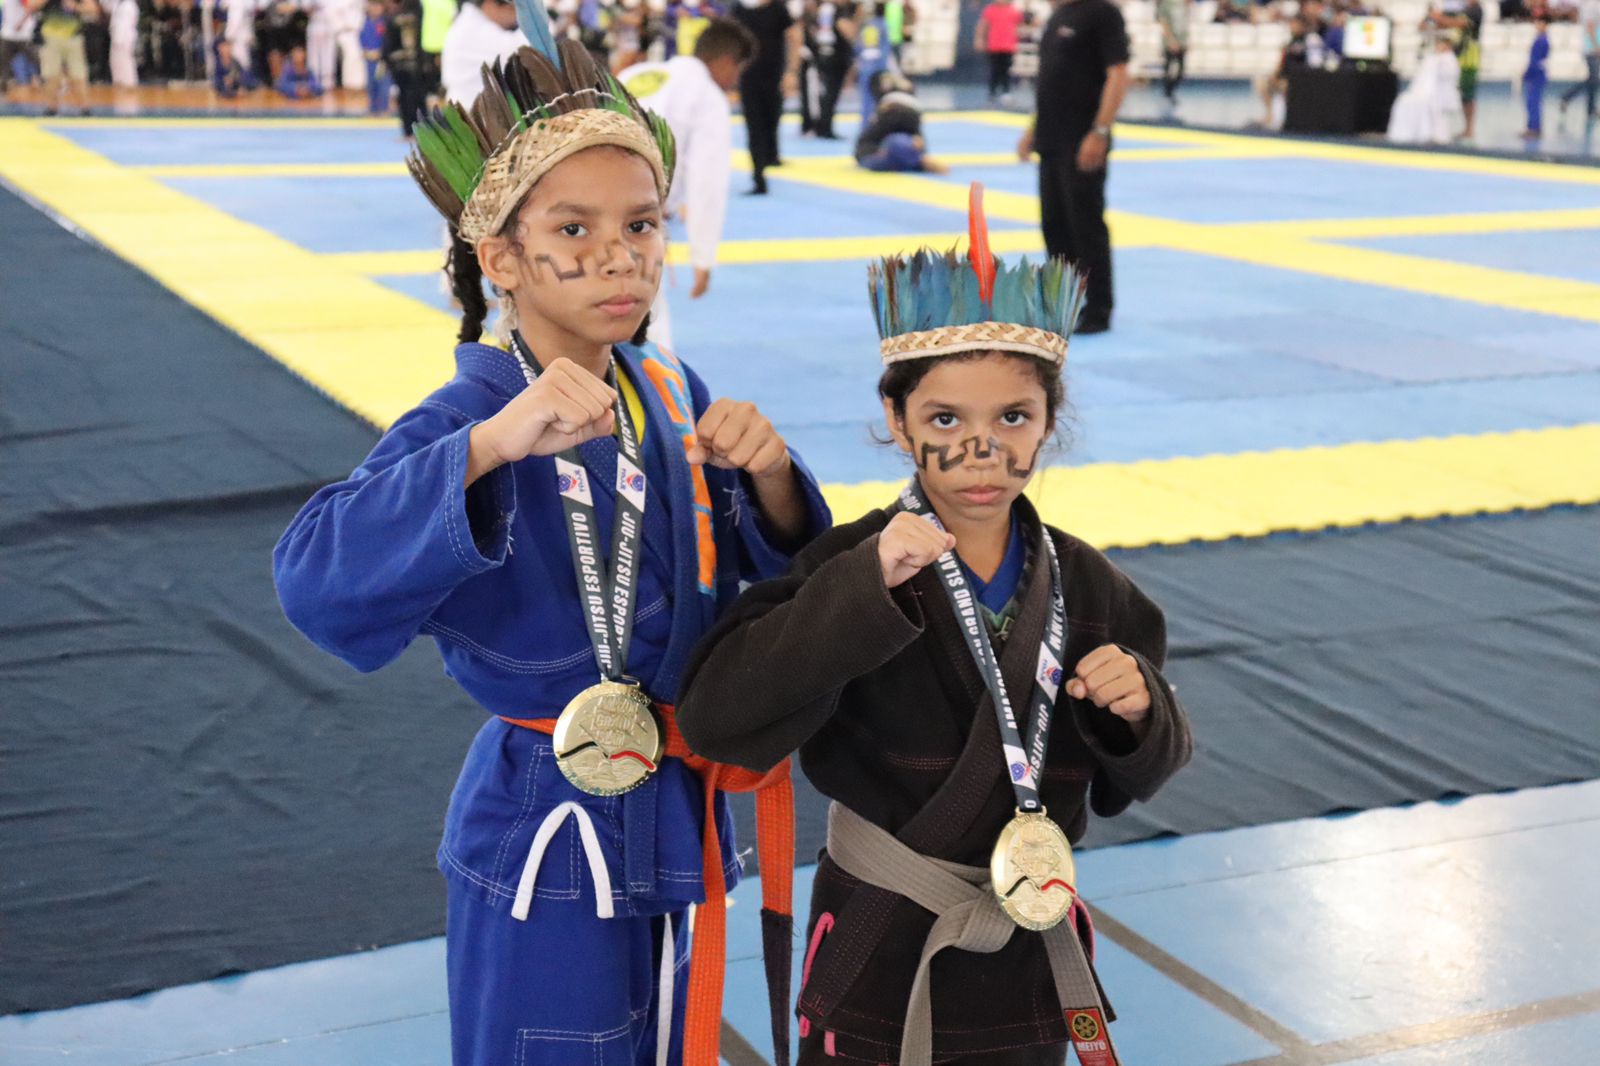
(565, 973)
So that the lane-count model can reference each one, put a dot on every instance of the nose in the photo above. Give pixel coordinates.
(618, 260)
(985, 451)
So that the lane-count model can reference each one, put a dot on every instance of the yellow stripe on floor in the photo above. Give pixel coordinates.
(789, 250)
(372, 349)
(1217, 497)
(1350, 229)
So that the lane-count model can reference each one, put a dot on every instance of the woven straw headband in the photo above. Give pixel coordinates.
(976, 337)
(534, 152)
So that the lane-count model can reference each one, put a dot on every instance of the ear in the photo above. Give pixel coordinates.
(897, 426)
(498, 258)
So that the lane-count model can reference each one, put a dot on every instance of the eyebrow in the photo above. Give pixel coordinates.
(566, 207)
(937, 404)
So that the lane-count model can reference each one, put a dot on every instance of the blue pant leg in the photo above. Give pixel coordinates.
(868, 105)
(563, 988)
(1533, 97)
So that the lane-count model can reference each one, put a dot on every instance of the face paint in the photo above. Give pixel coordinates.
(541, 261)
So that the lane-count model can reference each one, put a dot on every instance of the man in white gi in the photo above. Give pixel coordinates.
(481, 33)
(691, 93)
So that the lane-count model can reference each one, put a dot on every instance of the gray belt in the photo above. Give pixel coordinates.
(968, 916)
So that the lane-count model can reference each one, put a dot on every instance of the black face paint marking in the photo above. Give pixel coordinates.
(1015, 469)
(649, 272)
(942, 453)
(577, 271)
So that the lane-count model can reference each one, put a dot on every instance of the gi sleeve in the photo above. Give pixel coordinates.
(706, 163)
(368, 559)
(769, 674)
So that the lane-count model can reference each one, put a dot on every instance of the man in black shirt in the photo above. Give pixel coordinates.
(1083, 76)
(761, 83)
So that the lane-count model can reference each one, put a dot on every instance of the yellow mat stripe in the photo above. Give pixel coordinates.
(376, 352)
(1173, 501)
(792, 250)
(1429, 225)
(372, 349)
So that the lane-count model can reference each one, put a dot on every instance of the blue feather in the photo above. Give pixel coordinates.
(534, 22)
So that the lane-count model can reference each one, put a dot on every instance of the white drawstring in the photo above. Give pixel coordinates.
(668, 975)
(591, 849)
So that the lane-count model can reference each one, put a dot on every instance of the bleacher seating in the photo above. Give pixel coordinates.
(1244, 50)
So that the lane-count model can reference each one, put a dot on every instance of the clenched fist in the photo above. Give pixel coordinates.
(736, 436)
(564, 407)
(907, 544)
(1112, 679)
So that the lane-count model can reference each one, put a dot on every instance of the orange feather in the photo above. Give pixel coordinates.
(978, 254)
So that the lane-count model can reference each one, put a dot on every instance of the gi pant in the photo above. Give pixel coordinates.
(564, 988)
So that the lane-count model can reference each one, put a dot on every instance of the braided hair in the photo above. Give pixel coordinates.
(466, 283)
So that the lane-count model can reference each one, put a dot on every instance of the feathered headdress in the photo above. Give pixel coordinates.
(934, 303)
(542, 105)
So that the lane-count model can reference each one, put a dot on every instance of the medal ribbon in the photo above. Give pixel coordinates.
(1024, 758)
(608, 599)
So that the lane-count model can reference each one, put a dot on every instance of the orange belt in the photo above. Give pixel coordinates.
(774, 791)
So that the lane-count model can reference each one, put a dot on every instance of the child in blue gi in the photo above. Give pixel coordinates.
(873, 57)
(1534, 78)
(373, 30)
(564, 574)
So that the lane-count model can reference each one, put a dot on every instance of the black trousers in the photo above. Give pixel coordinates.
(762, 99)
(1172, 73)
(1072, 208)
(1000, 72)
(412, 84)
(831, 71)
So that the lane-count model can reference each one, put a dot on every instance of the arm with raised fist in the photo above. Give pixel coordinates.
(769, 674)
(565, 406)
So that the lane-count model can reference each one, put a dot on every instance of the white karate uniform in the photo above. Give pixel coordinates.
(241, 30)
(124, 42)
(683, 93)
(473, 40)
(322, 48)
(1429, 111)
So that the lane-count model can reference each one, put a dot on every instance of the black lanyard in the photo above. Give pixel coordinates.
(608, 600)
(1024, 758)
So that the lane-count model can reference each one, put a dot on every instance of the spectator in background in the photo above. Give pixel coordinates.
(63, 63)
(1533, 79)
(685, 21)
(1589, 24)
(826, 35)
(229, 77)
(484, 30)
(96, 40)
(296, 80)
(873, 56)
(239, 29)
(1426, 113)
(1273, 87)
(761, 83)
(690, 93)
(1465, 19)
(125, 43)
(1173, 17)
(373, 31)
(1083, 78)
(893, 140)
(408, 64)
(17, 24)
(282, 30)
(997, 36)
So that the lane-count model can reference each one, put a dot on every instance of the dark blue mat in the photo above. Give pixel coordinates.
(188, 788)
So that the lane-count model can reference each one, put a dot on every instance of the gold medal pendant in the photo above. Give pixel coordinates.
(607, 740)
(1032, 871)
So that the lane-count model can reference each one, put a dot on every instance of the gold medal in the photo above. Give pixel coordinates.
(607, 740)
(1032, 871)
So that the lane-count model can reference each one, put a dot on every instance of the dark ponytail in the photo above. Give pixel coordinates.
(466, 283)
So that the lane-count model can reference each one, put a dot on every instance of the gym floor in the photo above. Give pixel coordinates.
(1307, 335)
